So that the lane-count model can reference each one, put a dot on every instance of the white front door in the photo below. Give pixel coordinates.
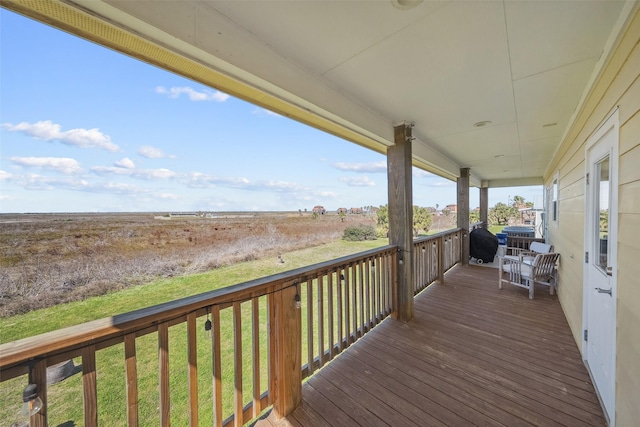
(600, 260)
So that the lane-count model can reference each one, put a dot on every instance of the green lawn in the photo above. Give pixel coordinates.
(65, 398)
(496, 228)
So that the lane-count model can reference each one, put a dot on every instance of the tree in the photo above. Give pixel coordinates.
(422, 220)
(359, 233)
(474, 216)
(383, 221)
(519, 201)
(500, 214)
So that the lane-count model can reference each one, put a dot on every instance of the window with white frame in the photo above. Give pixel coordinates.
(554, 205)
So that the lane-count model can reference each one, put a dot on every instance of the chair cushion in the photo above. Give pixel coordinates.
(541, 248)
(525, 269)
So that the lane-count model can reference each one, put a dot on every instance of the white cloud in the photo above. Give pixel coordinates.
(167, 196)
(419, 173)
(49, 131)
(201, 180)
(264, 112)
(114, 187)
(279, 186)
(358, 181)
(40, 182)
(147, 174)
(153, 174)
(126, 163)
(59, 164)
(4, 197)
(372, 167)
(37, 182)
(5, 176)
(154, 153)
(110, 170)
(194, 95)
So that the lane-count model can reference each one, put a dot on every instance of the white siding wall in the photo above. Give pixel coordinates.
(619, 86)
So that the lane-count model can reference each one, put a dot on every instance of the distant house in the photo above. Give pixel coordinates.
(453, 209)
(341, 211)
(319, 209)
(355, 211)
(183, 215)
(527, 215)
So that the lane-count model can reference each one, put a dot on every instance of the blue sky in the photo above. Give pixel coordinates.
(86, 129)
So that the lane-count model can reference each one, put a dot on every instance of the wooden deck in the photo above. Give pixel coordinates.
(473, 355)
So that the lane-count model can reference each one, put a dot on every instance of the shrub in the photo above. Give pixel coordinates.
(359, 233)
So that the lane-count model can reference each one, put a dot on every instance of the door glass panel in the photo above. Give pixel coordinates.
(602, 206)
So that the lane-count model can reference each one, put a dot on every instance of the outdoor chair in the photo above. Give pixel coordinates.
(527, 269)
(534, 249)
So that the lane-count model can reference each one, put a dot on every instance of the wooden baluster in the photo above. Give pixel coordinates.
(272, 337)
(89, 386)
(310, 326)
(330, 315)
(39, 378)
(417, 285)
(347, 311)
(320, 281)
(441, 250)
(354, 279)
(383, 286)
(237, 364)
(376, 288)
(339, 289)
(255, 355)
(163, 369)
(360, 273)
(369, 315)
(391, 289)
(217, 366)
(192, 356)
(132, 379)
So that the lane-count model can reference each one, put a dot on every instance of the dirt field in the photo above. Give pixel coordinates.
(48, 259)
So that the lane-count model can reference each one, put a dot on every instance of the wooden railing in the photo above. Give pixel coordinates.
(520, 243)
(341, 300)
(233, 351)
(479, 224)
(433, 256)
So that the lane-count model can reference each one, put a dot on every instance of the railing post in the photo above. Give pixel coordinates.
(400, 194)
(288, 352)
(463, 214)
(484, 206)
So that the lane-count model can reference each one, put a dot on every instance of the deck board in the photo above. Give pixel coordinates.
(472, 355)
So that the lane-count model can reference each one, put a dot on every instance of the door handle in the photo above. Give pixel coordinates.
(609, 271)
(603, 291)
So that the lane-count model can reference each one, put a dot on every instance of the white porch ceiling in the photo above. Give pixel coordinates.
(367, 65)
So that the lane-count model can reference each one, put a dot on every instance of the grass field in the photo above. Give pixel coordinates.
(65, 398)
(49, 259)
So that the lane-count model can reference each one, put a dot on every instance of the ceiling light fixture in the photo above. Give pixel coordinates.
(482, 123)
(548, 125)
